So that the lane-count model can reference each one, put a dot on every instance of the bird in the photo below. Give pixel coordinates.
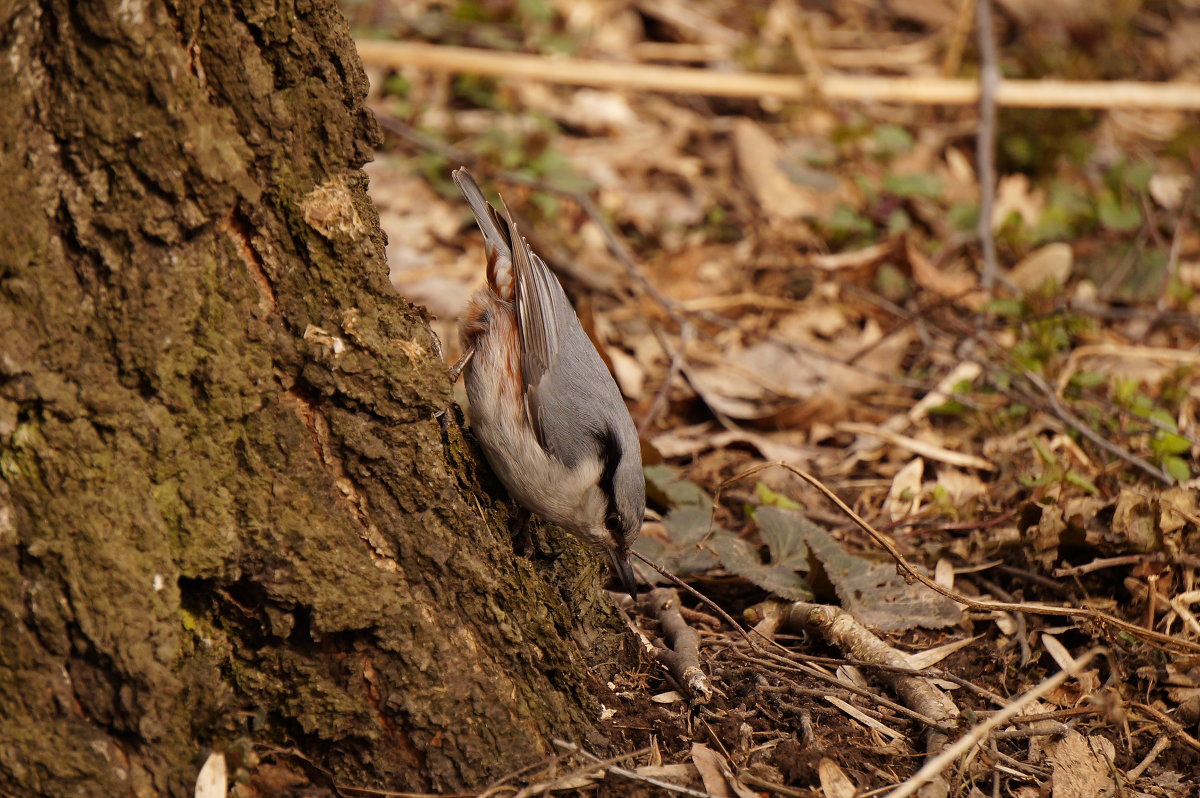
(545, 409)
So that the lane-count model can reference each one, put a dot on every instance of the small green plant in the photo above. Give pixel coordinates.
(1167, 445)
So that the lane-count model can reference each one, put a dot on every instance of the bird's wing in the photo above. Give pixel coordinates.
(542, 310)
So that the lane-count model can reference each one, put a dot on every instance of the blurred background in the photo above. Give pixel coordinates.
(793, 265)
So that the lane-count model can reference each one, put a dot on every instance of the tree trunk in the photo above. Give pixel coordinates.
(227, 509)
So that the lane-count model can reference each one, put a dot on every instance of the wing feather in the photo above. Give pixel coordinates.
(496, 243)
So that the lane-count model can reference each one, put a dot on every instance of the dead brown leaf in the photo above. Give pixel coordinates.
(1082, 766)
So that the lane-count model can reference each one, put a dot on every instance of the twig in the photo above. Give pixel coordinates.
(958, 38)
(1082, 427)
(843, 88)
(503, 780)
(750, 780)
(985, 140)
(838, 627)
(686, 332)
(682, 656)
(543, 788)
(1048, 730)
(1160, 745)
(925, 673)
(783, 663)
(712, 605)
(979, 732)
(1057, 407)
(1100, 564)
(1173, 727)
(927, 450)
(629, 774)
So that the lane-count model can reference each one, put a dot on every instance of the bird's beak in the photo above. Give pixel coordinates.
(624, 571)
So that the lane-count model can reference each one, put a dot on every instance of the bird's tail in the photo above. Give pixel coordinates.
(496, 242)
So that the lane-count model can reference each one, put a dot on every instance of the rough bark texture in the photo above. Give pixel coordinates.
(226, 508)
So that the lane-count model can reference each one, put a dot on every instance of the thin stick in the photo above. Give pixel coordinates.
(1160, 745)
(712, 605)
(686, 332)
(571, 774)
(844, 88)
(629, 774)
(1173, 728)
(985, 140)
(977, 734)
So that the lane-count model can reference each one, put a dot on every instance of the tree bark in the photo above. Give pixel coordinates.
(227, 510)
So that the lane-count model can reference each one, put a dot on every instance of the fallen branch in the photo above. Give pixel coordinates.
(681, 657)
(839, 628)
(833, 88)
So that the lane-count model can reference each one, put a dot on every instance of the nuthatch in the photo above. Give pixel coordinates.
(544, 407)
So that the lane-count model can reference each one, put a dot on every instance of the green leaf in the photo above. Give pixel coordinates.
(1082, 482)
(1162, 417)
(913, 185)
(963, 216)
(681, 553)
(741, 558)
(1166, 443)
(1005, 308)
(1177, 467)
(845, 222)
(1117, 215)
(772, 499)
(1043, 451)
(664, 487)
(891, 140)
(951, 408)
(1083, 380)
(898, 221)
(783, 531)
(535, 10)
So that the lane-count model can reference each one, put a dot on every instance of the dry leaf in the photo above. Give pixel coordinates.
(1177, 508)
(669, 697)
(1168, 190)
(864, 718)
(758, 157)
(1014, 194)
(211, 781)
(682, 772)
(867, 256)
(874, 593)
(1058, 652)
(1082, 766)
(924, 659)
(961, 487)
(1050, 263)
(630, 375)
(904, 496)
(956, 285)
(716, 774)
(834, 783)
